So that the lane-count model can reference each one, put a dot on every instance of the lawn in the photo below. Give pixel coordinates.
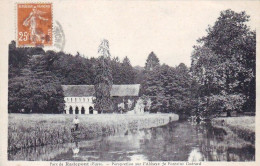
(29, 130)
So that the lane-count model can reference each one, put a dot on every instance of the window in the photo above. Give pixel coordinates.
(71, 110)
(77, 110)
(82, 110)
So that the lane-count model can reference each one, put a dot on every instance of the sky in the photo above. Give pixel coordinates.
(136, 28)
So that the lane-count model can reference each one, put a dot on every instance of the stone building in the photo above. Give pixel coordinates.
(79, 98)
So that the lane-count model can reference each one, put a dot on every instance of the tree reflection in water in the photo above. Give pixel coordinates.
(195, 155)
(75, 149)
(178, 141)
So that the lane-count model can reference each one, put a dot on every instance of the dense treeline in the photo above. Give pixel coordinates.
(36, 76)
(221, 76)
(169, 88)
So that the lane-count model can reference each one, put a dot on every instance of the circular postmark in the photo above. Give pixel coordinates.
(58, 37)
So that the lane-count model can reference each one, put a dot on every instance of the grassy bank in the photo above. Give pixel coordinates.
(43, 129)
(244, 127)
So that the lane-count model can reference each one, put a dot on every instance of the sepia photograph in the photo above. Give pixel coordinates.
(132, 81)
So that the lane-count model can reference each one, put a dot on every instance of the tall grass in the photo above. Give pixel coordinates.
(33, 130)
(244, 127)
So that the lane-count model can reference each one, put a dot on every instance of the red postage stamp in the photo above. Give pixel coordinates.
(34, 24)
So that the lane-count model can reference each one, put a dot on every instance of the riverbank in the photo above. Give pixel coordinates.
(244, 127)
(31, 130)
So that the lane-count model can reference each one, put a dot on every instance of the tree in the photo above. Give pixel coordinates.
(116, 67)
(103, 80)
(180, 89)
(224, 65)
(127, 72)
(71, 70)
(18, 58)
(170, 89)
(123, 72)
(36, 90)
(151, 62)
(153, 87)
(35, 76)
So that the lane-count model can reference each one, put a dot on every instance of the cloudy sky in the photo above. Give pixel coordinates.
(134, 28)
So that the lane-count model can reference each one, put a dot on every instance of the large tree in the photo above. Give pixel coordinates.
(224, 65)
(103, 80)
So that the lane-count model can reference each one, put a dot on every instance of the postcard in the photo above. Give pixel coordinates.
(129, 83)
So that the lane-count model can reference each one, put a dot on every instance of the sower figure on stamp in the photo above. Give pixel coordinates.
(36, 34)
(76, 123)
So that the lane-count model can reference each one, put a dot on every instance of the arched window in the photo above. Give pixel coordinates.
(77, 110)
(91, 110)
(82, 110)
(75, 99)
(71, 110)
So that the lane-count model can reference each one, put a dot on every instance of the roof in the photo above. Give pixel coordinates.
(78, 90)
(89, 90)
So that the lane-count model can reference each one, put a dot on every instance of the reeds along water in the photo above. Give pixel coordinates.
(37, 129)
(243, 127)
(40, 153)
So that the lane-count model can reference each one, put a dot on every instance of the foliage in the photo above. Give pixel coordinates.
(18, 58)
(127, 72)
(224, 65)
(151, 62)
(243, 127)
(35, 77)
(221, 76)
(36, 89)
(123, 72)
(103, 80)
(169, 89)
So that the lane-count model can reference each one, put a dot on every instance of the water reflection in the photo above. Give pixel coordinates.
(195, 155)
(178, 141)
(138, 157)
(75, 149)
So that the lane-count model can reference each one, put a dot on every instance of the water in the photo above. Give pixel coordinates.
(178, 141)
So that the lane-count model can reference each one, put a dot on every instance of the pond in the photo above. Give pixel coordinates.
(177, 141)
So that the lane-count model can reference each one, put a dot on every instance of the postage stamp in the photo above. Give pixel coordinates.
(34, 24)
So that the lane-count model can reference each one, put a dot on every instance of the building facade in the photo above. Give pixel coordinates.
(79, 99)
